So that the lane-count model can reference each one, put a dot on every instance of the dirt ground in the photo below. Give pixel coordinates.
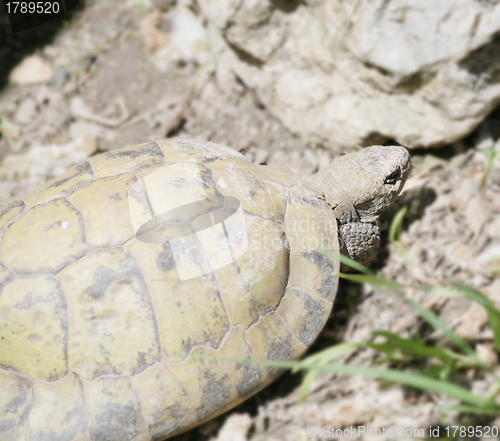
(101, 83)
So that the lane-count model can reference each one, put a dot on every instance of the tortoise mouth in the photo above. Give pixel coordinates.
(188, 219)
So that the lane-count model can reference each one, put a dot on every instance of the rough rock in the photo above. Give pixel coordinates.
(185, 40)
(344, 74)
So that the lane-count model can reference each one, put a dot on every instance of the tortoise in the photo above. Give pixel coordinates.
(127, 282)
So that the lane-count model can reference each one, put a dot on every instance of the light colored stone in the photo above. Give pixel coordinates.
(32, 70)
(472, 323)
(235, 428)
(82, 128)
(26, 111)
(344, 74)
(487, 354)
(489, 260)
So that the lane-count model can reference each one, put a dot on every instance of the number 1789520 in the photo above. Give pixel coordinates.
(32, 7)
(478, 431)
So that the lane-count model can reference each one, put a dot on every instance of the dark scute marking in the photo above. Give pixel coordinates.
(246, 283)
(117, 196)
(7, 425)
(81, 169)
(329, 283)
(17, 401)
(61, 309)
(278, 351)
(28, 301)
(151, 148)
(63, 181)
(11, 207)
(84, 167)
(117, 422)
(165, 261)
(207, 177)
(56, 224)
(5, 269)
(75, 423)
(178, 183)
(33, 298)
(199, 259)
(23, 401)
(129, 266)
(316, 315)
(188, 344)
(252, 379)
(259, 309)
(77, 414)
(198, 145)
(160, 430)
(103, 277)
(215, 395)
(254, 183)
(210, 337)
(127, 272)
(141, 358)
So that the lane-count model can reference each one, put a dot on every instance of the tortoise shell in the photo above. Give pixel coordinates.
(115, 273)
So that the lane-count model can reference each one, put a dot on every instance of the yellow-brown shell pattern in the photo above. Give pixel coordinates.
(98, 331)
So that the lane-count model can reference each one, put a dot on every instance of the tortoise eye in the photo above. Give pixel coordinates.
(392, 178)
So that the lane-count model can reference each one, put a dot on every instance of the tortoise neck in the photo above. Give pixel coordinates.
(337, 198)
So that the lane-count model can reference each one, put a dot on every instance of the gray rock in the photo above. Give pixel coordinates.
(344, 74)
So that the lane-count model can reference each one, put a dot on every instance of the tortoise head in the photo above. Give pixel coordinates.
(360, 185)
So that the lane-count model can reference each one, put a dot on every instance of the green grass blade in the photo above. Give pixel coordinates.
(440, 325)
(329, 354)
(446, 292)
(414, 380)
(493, 156)
(393, 353)
(417, 348)
(469, 409)
(305, 387)
(322, 357)
(425, 313)
(373, 280)
(438, 372)
(397, 225)
(345, 260)
(485, 302)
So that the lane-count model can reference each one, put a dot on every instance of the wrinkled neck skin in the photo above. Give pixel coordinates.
(361, 185)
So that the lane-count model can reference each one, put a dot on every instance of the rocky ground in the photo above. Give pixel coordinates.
(119, 73)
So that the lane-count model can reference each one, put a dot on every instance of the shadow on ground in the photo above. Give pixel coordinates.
(14, 47)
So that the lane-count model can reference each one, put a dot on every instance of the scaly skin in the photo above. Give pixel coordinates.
(359, 186)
